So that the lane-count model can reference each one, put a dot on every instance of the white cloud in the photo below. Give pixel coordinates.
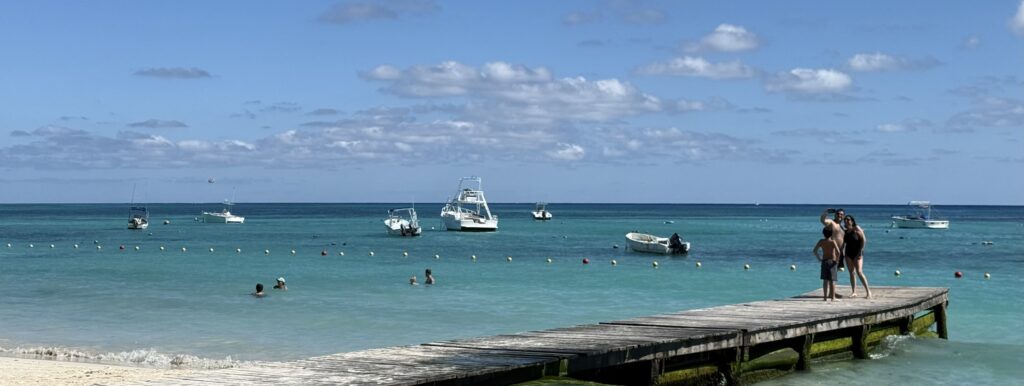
(971, 42)
(361, 11)
(568, 152)
(906, 126)
(712, 104)
(699, 67)
(500, 90)
(810, 81)
(1017, 23)
(727, 38)
(878, 61)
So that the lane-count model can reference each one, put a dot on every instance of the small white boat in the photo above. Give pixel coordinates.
(223, 217)
(921, 218)
(541, 212)
(642, 242)
(138, 217)
(397, 225)
(467, 210)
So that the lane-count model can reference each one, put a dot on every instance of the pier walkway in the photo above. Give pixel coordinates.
(738, 343)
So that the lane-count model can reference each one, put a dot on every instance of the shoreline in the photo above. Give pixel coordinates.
(32, 372)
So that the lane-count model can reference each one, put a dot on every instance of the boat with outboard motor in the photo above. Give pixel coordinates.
(467, 210)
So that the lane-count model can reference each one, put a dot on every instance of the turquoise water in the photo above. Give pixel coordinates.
(192, 308)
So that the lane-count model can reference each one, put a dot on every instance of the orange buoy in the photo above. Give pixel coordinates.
(958, 274)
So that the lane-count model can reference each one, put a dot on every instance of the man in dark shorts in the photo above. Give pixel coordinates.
(829, 258)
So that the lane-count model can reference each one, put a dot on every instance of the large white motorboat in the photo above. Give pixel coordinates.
(223, 217)
(541, 212)
(921, 218)
(643, 242)
(467, 210)
(397, 225)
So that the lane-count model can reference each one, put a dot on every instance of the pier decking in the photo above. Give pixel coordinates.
(736, 343)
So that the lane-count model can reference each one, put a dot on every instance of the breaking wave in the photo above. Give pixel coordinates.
(140, 357)
(891, 345)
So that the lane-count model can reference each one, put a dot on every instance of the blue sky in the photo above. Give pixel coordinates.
(561, 101)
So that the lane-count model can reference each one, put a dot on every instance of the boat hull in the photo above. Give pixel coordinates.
(219, 218)
(401, 228)
(470, 224)
(912, 223)
(640, 242)
(138, 225)
(541, 215)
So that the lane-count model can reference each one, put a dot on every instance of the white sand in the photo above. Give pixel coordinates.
(19, 371)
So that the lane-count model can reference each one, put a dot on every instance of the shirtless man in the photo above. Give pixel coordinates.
(835, 224)
(829, 258)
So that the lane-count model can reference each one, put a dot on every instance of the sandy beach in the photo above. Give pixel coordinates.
(20, 371)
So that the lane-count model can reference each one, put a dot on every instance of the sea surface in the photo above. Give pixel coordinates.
(172, 307)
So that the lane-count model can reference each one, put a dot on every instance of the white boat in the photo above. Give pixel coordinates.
(642, 242)
(921, 218)
(541, 212)
(223, 217)
(138, 216)
(467, 210)
(403, 226)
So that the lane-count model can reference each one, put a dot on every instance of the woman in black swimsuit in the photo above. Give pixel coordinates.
(854, 242)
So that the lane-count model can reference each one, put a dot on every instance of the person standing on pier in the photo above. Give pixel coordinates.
(829, 258)
(853, 250)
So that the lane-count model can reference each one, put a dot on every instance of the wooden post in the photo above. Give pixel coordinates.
(804, 349)
(940, 321)
(729, 365)
(907, 325)
(860, 337)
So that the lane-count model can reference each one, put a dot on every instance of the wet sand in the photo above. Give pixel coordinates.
(20, 371)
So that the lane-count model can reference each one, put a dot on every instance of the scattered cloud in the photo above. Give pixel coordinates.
(66, 118)
(281, 107)
(828, 137)
(363, 11)
(970, 42)
(158, 124)
(324, 111)
(518, 93)
(711, 104)
(905, 126)
(725, 38)
(567, 152)
(699, 67)
(988, 112)
(174, 73)
(872, 62)
(1017, 22)
(686, 146)
(806, 81)
(625, 11)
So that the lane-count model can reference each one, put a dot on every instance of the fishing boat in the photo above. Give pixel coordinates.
(223, 217)
(647, 243)
(921, 218)
(399, 225)
(541, 212)
(138, 216)
(467, 210)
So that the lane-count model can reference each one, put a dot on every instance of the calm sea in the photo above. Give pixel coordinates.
(192, 308)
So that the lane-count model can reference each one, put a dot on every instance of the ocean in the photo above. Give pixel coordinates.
(147, 306)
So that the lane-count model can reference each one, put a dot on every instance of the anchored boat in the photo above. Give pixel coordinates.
(921, 218)
(397, 225)
(541, 212)
(138, 216)
(643, 242)
(467, 210)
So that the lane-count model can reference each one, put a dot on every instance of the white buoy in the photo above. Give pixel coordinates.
(698, 264)
(406, 253)
(897, 273)
(842, 269)
(266, 251)
(99, 247)
(617, 263)
(549, 260)
(371, 253)
(792, 267)
(987, 276)
(183, 249)
(341, 253)
(655, 264)
(238, 250)
(508, 258)
(31, 246)
(211, 249)
(746, 267)
(473, 257)
(293, 251)
(8, 245)
(76, 246)
(436, 256)
(136, 247)
(51, 246)
(161, 247)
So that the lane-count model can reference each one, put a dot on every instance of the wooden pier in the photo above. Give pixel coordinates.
(737, 344)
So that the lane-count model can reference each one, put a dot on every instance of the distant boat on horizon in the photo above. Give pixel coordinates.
(540, 212)
(138, 216)
(224, 216)
(921, 218)
(467, 211)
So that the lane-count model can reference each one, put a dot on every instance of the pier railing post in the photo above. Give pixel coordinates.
(860, 345)
(940, 320)
(804, 350)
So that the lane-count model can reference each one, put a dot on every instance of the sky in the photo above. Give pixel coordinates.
(870, 102)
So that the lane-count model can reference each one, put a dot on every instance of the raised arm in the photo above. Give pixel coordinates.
(824, 218)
